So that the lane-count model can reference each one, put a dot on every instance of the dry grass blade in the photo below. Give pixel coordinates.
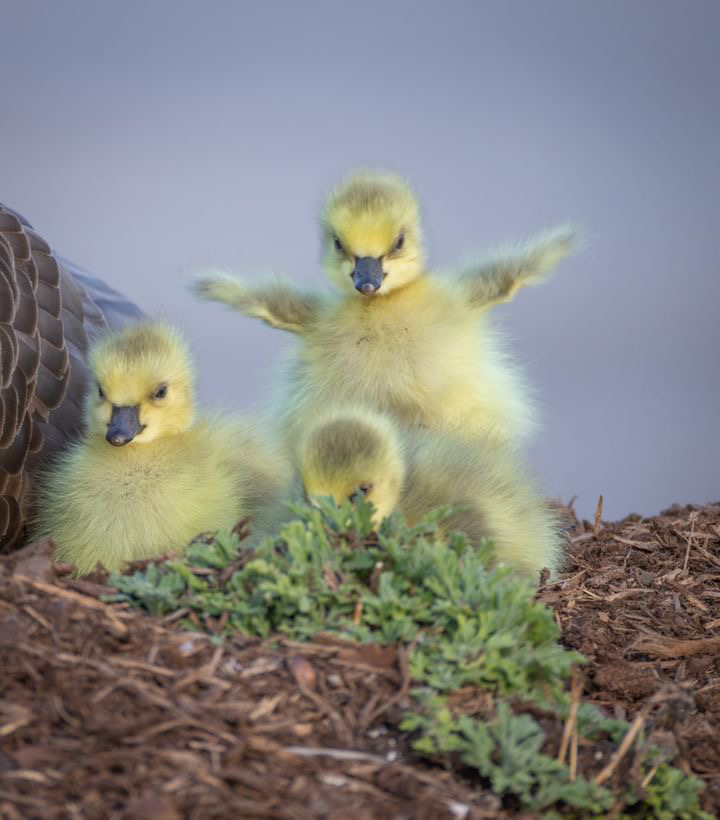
(574, 753)
(624, 747)
(598, 518)
(690, 536)
(570, 723)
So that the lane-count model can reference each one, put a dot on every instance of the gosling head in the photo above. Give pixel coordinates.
(143, 387)
(350, 454)
(372, 235)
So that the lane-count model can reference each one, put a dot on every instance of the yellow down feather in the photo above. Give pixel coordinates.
(178, 477)
(421, 347)
(347, 451)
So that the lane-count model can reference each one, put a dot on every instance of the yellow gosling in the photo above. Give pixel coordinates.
(359, 451)
(393, 335)
(148, 476)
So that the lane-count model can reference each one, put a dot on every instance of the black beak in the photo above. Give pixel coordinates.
(124, 425)
(368, 275)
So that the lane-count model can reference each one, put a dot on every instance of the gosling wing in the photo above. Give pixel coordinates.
(275, 302)
(498, 276)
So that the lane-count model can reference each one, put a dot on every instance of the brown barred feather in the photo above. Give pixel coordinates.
(49, 311)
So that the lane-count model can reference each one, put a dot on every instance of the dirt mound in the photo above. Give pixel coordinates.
(641, 601)
(107, 712)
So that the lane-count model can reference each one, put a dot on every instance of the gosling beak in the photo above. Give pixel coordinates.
(124, 425)
(368, 275)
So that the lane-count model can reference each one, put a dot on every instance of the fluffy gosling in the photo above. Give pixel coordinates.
(395, 336)
(147, 476)
(359, 451)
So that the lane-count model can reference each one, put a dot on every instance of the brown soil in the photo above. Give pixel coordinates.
(641, 601)
(108, 713)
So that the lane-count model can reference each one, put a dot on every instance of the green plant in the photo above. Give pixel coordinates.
(467, 626)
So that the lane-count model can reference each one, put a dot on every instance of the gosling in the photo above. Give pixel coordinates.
(349, 452)
(147, 476)
(395, 336)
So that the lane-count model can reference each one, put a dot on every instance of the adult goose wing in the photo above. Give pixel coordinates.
(49, 310)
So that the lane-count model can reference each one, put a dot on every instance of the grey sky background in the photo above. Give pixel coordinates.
(148, 139)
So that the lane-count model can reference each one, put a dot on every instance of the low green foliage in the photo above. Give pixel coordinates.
(506, 749)
(466, 626)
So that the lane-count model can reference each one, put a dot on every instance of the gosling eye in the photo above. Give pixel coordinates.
(161, 392)
(101, 393)
(338, 245)
(399, 244)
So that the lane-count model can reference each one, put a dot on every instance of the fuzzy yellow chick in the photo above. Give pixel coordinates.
(393, 335)
(148, 476)
(350, 451)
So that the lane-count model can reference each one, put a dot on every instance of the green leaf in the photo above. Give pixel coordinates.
(466, 623)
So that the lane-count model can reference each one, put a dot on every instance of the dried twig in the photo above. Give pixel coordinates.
(117, 627)
(574, 752)
(624, 747)
(649, 776)
(689, 538)
(598, 518)
(338, 754)
(404, 663)
(570, 722)
(663, 647)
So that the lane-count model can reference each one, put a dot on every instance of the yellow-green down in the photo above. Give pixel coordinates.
(177, 478)
(414, 471)
(420, 347)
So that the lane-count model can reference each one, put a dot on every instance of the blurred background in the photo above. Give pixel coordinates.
(147, 139)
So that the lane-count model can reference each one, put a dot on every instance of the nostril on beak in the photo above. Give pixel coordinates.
(124, 425)
(368, 275)
(117, 439)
